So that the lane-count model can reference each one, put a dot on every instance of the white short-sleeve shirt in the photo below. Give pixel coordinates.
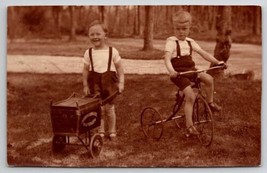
(100, 59)
(184, 47)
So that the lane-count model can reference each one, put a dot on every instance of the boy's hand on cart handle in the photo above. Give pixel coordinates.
(121, 87)
(86, 90)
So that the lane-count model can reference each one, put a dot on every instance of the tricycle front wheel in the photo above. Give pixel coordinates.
(203, 120)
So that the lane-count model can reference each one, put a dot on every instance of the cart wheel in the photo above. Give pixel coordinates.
(59, 143)
(203, 120)
(151, 123)
(96, 144)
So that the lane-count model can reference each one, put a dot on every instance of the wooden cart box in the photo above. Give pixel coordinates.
(75, 116)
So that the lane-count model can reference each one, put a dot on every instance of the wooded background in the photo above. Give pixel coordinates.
(132, 21)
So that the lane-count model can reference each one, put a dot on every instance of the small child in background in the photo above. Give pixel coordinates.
(178, 58)
(103, 74)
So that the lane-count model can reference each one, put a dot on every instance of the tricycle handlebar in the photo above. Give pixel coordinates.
(204, 70)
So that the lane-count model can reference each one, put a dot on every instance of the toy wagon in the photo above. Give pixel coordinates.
(77, 117)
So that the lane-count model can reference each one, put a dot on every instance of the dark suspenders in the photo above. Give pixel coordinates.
(189, 43)
(91, 59)
(109, 59)
(178, 49)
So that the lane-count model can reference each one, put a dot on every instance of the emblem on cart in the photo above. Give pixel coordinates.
(89, 119)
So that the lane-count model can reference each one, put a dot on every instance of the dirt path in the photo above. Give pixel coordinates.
(243, 57)
(48, 64)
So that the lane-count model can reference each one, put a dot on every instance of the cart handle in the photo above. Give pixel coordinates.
(91, 96)
(74, 94)
(106, 100)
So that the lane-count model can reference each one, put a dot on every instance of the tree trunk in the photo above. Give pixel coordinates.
(139, 20)
(223, 38)
(210, 17)
(148, 31)
(257, 20)
(56, 12)
(73, 23)
(128, 15)
(136, 23)
(11, 20)
(102, 15)
(169, 12)
(116, 28)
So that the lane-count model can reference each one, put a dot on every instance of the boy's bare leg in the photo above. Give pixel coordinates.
(188, 108)
(209, 85)
(102, 121)
(111, 115)
(209, 88)
(189, 103)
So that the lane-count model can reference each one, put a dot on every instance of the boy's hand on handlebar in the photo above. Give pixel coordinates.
(222, 64)
(174, 74)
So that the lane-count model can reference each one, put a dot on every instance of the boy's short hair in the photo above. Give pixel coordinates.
(182, 17)
(97, 22)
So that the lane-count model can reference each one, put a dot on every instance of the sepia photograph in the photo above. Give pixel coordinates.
(134, 86)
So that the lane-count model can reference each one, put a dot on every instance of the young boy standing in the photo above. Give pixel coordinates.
(103, 74)
(178, 58)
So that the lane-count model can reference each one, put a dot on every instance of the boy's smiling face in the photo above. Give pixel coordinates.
(97, 36)
(182, 30)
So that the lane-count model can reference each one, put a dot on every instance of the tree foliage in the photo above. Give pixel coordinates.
(129, 21)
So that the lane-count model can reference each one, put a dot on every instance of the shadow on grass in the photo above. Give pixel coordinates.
(237, 131)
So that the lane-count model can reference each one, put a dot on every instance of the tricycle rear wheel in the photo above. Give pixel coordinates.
(151, 123)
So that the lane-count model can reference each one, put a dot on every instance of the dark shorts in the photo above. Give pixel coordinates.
(104, 84)
(184, 81)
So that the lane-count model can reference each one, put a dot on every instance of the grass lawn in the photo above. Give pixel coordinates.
(237, 140)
